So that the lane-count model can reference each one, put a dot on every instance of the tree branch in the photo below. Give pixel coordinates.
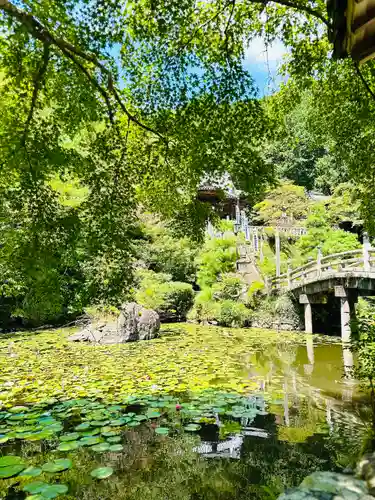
(297, 6)
(38, 31)
(363, 79)
(203, 25)
(37, 84)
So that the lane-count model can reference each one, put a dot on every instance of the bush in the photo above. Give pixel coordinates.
(171, 299)
(229, 287)
(162, 252)
(218, 257)
(233, 314)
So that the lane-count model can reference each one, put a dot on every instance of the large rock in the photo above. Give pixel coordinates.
(137, 323)
(329, 486)
(134, 323)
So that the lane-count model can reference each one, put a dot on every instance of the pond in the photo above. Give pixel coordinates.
(200, 413)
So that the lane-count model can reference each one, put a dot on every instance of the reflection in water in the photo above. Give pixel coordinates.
(304, 416)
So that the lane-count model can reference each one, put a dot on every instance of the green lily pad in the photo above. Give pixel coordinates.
(4, 439)
(31, 472)
(10, 460)
(110, 434)
(54, 490)
(141, 418)
(101, 447)
(18, 409)
(57, 465)
(116, 447)
(68, 446)
(11, 470)
(72, 436)
(114, 439)
(102, 472)
(162, 431)
(192, 427)
(35, 487)
(89, 441)
(83, 427)
(153, 414)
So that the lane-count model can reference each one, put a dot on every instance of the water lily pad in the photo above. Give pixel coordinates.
(54, 490)
(31, 472)
(102, 472)
(134, 423)
(68, 446)
(4, 439)
(162, 431)
(153, 414)
(18, 409)
(101, 447)
(116, 447)
(89, 441)
(83, 427)
(10, 460)
(110, 434)
(114, 439)
(72, 436)
(192, 427)
(35, 487)
(141, 418)
(57, 465)
(11, 470)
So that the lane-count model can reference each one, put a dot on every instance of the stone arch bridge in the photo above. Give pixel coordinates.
(348, 274)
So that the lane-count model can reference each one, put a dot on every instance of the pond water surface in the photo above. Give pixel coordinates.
(202, 413)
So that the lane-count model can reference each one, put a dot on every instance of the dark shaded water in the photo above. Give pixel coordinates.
(302, 414)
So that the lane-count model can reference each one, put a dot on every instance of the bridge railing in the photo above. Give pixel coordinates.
(362, 259)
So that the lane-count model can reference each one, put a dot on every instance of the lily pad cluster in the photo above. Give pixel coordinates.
(38, 367)
(98, 426)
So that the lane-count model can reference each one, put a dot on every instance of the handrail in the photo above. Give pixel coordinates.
(359, 259)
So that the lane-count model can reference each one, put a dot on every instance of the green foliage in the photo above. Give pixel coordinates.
(233, 314)
(344, 205)
(161, 251)
(287, 199)
(320, 234)
(229, 287)
(171, 299)
(254, 293)
(218, 256)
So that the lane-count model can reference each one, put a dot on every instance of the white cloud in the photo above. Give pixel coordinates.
(259, 52)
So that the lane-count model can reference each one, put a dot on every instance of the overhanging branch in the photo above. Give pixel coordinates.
(40, 32)
(38, 80)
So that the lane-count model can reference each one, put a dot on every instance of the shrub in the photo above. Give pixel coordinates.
(233, 314)
(254, 293)
(171, 299)
(229, 287)
(218, 256)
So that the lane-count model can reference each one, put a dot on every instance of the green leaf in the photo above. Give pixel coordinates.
(116, 447)
(162, 430)
(68, 446)
(31, 472)
(101, 447)
(58, 465)
(192, 427)
(10, 471)
(72, 436)
(10, 460)
(102, 472)
(35, 487)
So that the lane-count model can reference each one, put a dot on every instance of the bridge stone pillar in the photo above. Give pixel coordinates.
(347, 310)
(305, 300)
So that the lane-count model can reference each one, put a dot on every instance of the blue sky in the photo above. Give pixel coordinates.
(262, 63)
